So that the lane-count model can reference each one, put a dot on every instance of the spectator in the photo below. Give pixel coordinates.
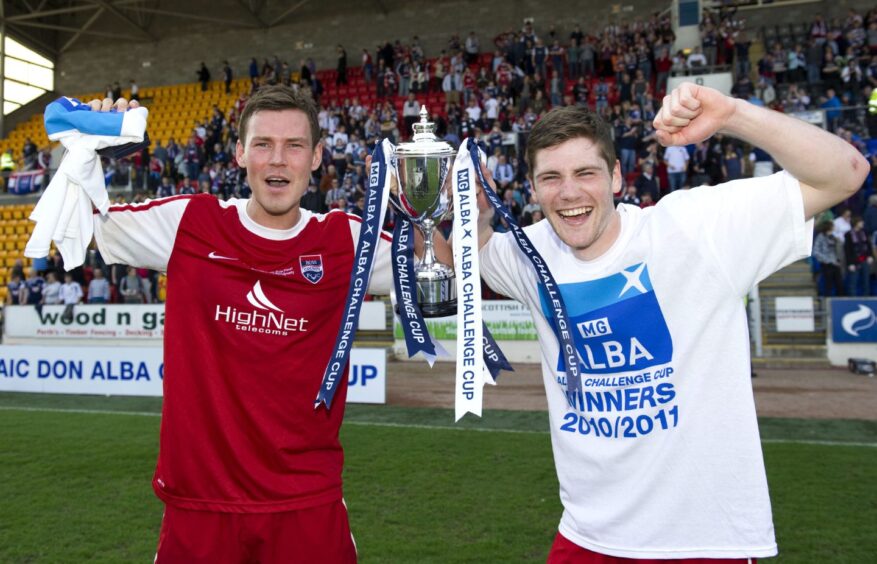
(473, 48)
(29, 154)
(32, 289)
(203, 76)
(531, 208)
(335, 193)
(367, 66)
(98, 288)
(503, 174)
(14, 289)
(732, 163)
(254, 73)
(626, 135)
(131, 287)
(556, 88)
(52, 290)
(663, 64)
(410, 114)
(539, 55)
(825, 251)
(859, 258)
(227, 76)
(676, 158)
(631, 197)
(341, 67)
(870, 216)
(842, 223)
(313, 200)
(696, 61)
(647, 182)
(71, 294)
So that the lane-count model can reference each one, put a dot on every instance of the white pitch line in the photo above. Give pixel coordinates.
(85, 411)
(443, 427)
(409, 426)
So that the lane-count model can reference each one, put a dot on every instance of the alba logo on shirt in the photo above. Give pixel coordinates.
(619, 325)
(265, 317)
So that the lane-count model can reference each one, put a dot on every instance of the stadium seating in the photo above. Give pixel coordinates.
(15, 229)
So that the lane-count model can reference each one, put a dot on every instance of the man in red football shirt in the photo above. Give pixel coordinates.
(247, 468)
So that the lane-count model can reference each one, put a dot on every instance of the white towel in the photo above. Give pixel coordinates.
(64, 213)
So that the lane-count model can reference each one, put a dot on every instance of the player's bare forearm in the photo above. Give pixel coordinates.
(829, 169)
(485, 230)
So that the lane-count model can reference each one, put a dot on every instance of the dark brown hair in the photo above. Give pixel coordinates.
(277, 98)
(570, 122)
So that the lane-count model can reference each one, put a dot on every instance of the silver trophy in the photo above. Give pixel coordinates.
(423, 169)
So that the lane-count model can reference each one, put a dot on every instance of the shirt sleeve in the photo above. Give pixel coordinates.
(749, 228)
(504, 268)
(381, 281)
(140, 235)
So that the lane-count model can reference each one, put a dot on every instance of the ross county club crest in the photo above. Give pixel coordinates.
(311, 267)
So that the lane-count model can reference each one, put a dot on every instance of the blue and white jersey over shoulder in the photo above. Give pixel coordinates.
(660, 456)
(68, 116)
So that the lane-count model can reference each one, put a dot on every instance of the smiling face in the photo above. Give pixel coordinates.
(279, 157)
(575, 188)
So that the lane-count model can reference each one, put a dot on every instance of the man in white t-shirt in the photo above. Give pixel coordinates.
(658, 454)
(491, 111)
(676, 159)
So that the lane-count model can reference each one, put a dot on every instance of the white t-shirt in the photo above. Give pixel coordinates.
(491, 107)
(474, 112)
(661, 457)
(676, 158)
(71, 293)
(52, 293)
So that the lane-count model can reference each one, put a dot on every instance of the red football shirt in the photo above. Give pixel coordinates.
(250, 321)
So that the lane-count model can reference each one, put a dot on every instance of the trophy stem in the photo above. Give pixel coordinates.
(428, 259)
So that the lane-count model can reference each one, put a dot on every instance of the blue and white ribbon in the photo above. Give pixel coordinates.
(494, 360)
(471, 373)
(562, 326)
(417, 337)
(366, 249)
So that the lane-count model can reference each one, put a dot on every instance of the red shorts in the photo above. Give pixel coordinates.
(316, 534)
(564, 551)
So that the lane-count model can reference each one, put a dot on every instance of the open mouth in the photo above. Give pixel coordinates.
(276, 181)
(575, 213)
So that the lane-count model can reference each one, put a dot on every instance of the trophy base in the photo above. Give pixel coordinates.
(442, 309)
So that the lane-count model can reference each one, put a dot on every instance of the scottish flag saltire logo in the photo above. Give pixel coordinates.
(311, 267)
(617, 322)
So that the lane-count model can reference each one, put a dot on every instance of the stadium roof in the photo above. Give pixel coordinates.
(55, 26)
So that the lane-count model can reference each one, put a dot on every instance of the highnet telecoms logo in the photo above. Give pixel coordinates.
(264, 318)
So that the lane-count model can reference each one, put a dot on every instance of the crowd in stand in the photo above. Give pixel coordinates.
(620, 72)
(46, 282)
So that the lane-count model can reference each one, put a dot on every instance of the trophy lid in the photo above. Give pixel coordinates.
(425, 143)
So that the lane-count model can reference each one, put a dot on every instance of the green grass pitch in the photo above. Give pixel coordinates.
(76, 484)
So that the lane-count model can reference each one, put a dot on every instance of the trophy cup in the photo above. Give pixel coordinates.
(423, 169)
